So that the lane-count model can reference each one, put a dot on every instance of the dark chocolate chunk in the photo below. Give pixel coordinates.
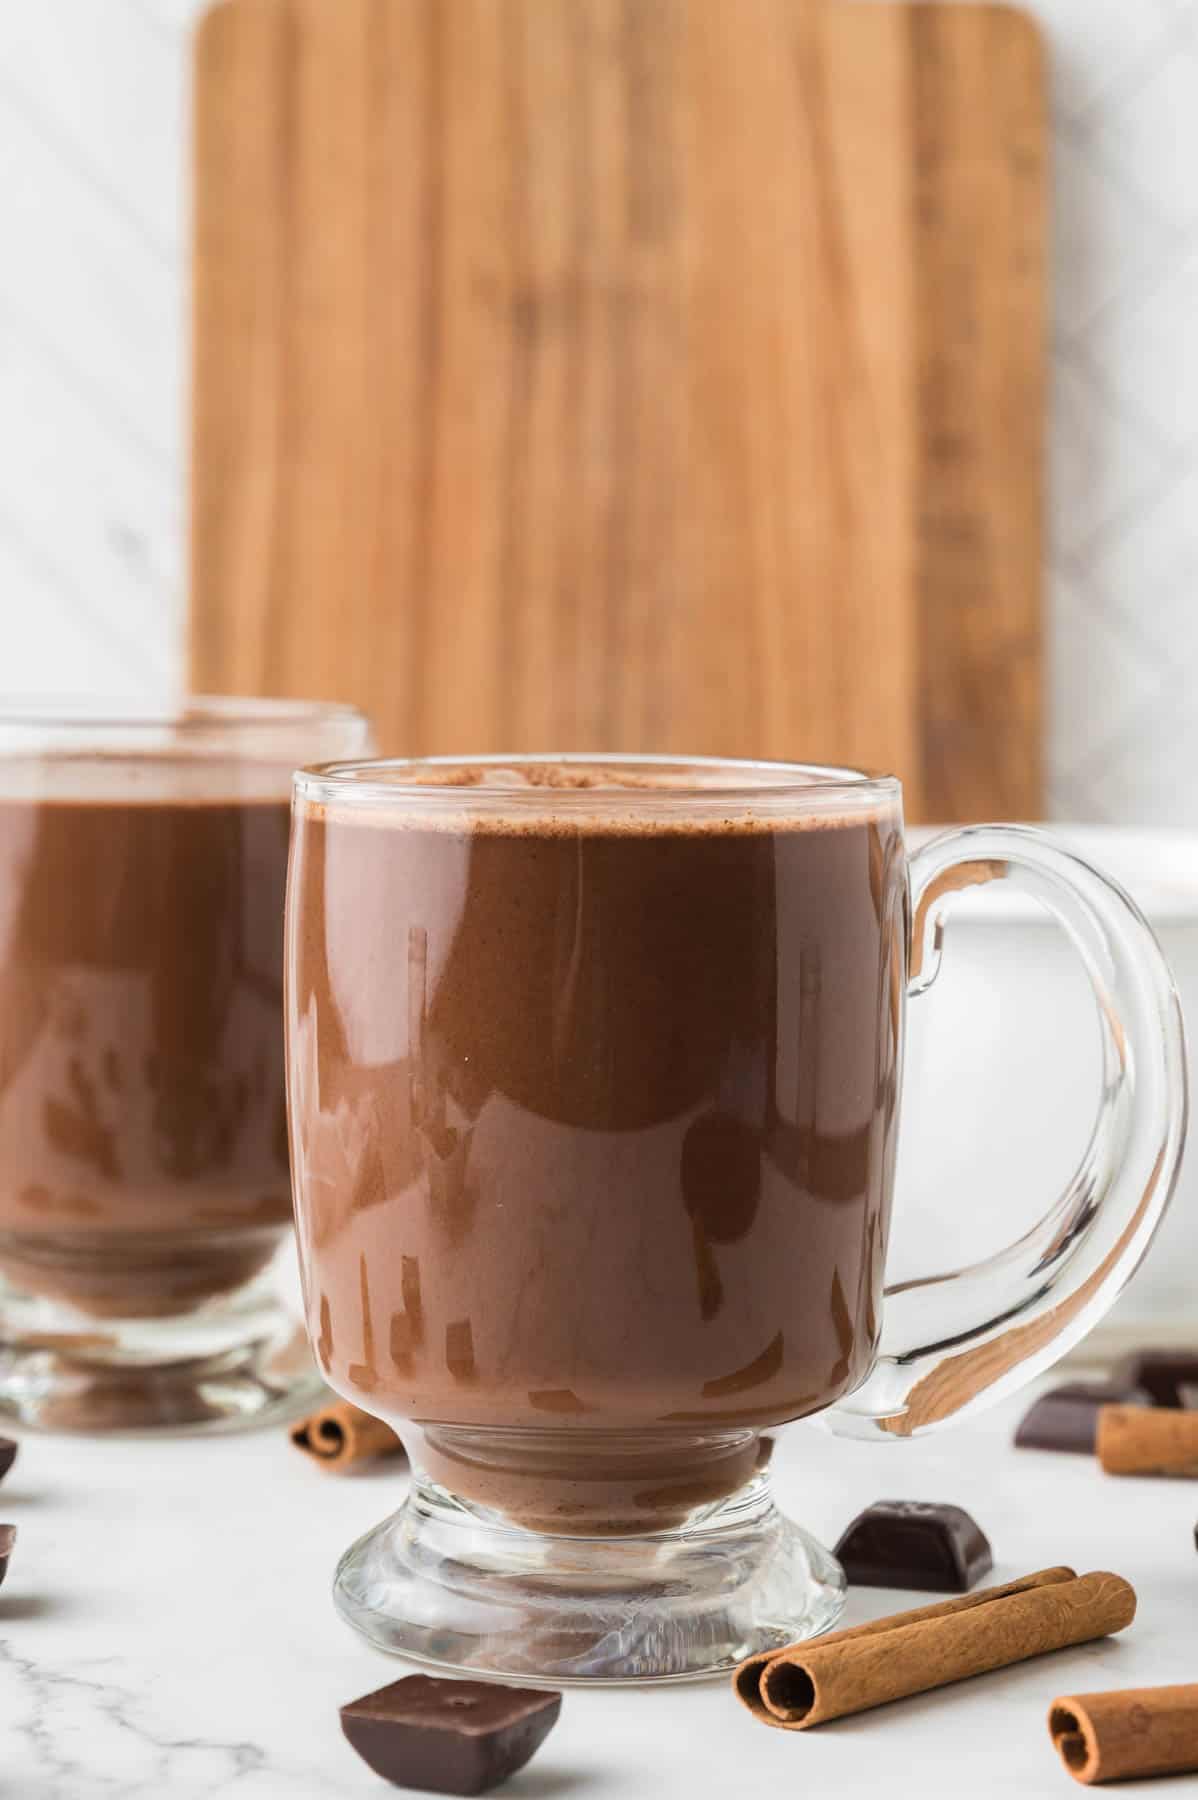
(8, 1537)
(449, 1737)
(8, 1455)
(1066, 1418)
(914, 1544)
(1163, 1373)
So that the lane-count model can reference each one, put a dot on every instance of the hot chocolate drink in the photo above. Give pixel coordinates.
(143, 1154)
(592, 1129)
(592, 1071)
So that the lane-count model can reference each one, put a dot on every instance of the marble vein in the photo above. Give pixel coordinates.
(86, 1738)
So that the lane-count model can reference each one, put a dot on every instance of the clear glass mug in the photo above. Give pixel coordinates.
(144, 1190)
(593, 1073)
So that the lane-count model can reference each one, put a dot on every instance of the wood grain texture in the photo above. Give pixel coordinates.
(980, 260)
(628, 374)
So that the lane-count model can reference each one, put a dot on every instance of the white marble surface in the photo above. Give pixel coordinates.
(166, 1631)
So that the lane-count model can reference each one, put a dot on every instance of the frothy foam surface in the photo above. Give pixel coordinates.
(142, 780)
(599, 798)
(590, 824)
(598, 776)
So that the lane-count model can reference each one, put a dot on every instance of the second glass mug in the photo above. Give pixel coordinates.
(593, 1074)
(144, 1193)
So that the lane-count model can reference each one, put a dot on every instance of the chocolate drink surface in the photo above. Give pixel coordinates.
(143, 1158)
(592, 1138)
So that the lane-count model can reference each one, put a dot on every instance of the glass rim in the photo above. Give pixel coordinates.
(753, 779)
(189, 714)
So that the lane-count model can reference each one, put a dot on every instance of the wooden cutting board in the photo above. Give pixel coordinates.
(628, 374)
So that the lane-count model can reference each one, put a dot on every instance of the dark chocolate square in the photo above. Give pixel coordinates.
(449, 1737)
(8, 1537)
(1163, 1373)
(1066, 1417)
(915, 1544)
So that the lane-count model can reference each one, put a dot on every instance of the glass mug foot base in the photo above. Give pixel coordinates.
(231, 1364)
(454, 1586)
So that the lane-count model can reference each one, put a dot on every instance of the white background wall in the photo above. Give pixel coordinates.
(92, 310)
(91, 342)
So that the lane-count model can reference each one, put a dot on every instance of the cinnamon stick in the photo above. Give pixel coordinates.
(747, 1679)
(1135, 1731)
(1147, 1440)
(910, 1653)
(341, 1436)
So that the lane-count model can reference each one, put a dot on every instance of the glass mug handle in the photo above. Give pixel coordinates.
(953, 1343)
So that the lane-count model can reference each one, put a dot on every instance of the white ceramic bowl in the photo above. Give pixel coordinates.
(1002, 1074)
